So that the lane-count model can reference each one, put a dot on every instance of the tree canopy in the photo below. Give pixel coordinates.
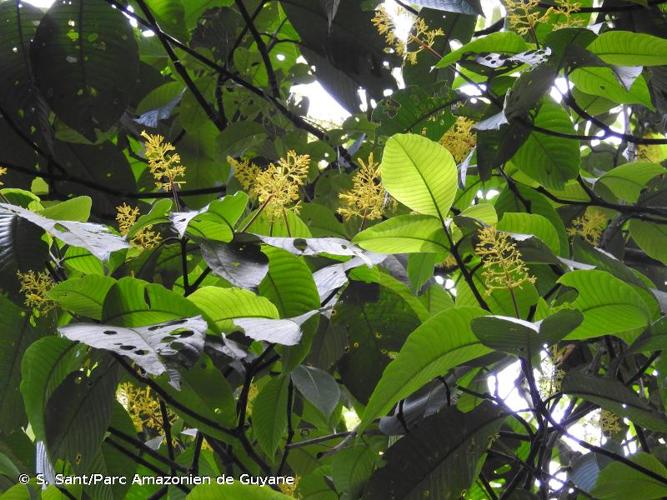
(457, 291)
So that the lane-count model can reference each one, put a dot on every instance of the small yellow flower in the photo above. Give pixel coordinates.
(163, 162)
(654, 153)
(3, 171)
(252, 394)
(589, 226)
(34, 287)
(290, 489)
(278, 186)
(126, 216)
(245, 172)
(420, 35)
(609, 422)
(142, 406)
(449, 262)
(367, 197)
(460, 139)
(502, 264)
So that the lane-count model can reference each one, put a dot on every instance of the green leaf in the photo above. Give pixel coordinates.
(133, 302)
(318, 387)
(78, 414)
(617, 480)
(440, 457)
(158, 214)
(222, 305)
(214, 222)
(352, 466)
(75, 209)
(628, 180)
(652, 238)
(523, 338)
(17, 332)
(548, 159)
(439, 344)
(44, 366)
(405, 234)
(419, 173)
(625, 48)
(532, 224)
(83, 296)
(612, 395)
(610, 306)
(506, 42)
(269, 414)
(86, 62)
(289, 284)
(235, 491)
(206, 392)
(603, 82)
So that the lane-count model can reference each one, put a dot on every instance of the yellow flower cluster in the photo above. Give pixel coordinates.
(609, 422)
(525, 15)
(421, 35)
(589, 226)
(35, 287)
(245, 172)
(502, 264)
(460, 138)
(142, 406)
(367, 197)
(163, 162)
(3, 171)
(276, 187)
(290, 489)
(126, 216)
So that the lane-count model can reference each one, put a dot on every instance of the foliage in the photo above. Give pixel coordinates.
(456, 292)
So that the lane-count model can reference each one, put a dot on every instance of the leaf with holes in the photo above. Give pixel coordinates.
(150, 347)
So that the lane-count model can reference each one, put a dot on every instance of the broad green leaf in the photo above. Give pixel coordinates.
(628, 180)
(483, 212)
(352, 466)
(523, 338)
(158, 214)
(222, 305)
(419, 173)
(235, 491)
(205, 391)
(625, 48)
(289, 225)
(440, 457)
(405, 234)
(269, 414)
(133, 302)
(242, 265)
(617, 480)
(610, 306)
(603, 82)
(612, 395)
(652, 238)
(506, 42)
(86, 69)
(78, 414)
(44, 366)
(318, 387)
(74, 209)
(533, 224)
(439, 344)
(83, 296)
(214, 222)
(545, 158)
(289, 284)
(17, 331)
